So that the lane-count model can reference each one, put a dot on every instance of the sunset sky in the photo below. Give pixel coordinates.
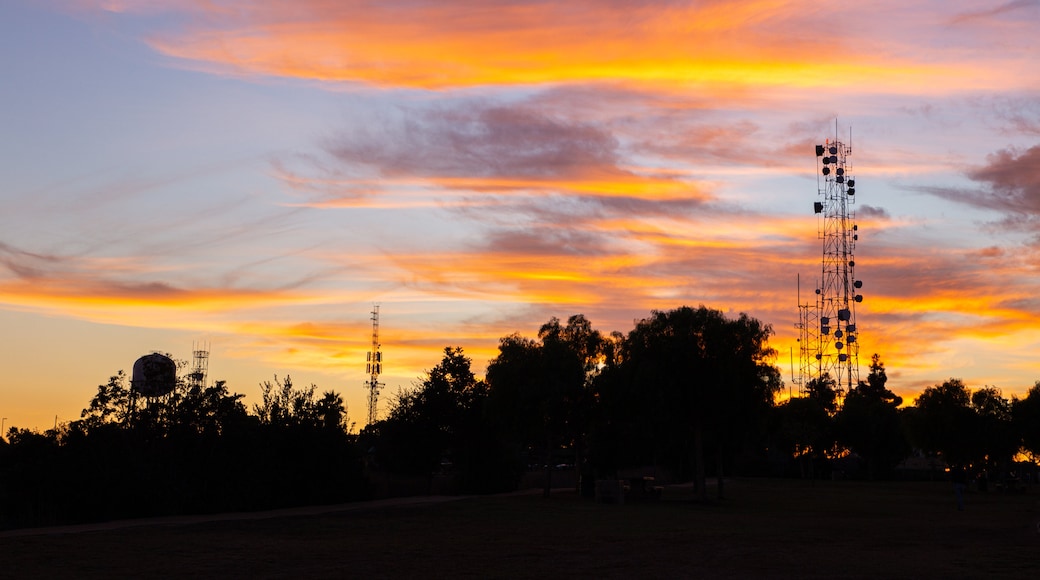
(257, 174)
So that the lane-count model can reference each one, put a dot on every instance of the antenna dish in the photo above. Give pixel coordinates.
(154, 375)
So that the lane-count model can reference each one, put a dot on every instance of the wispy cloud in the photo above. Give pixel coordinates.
(458, 44)
(1008, 8)
(478, 153)
(1010, 186)
(1013, 179)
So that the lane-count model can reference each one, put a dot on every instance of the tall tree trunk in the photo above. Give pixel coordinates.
(547, 489)
(719, 462)
(579, 456)
(698, 463)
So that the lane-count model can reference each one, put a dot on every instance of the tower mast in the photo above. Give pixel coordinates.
(830, 343)
(374, 367)
(200, 365)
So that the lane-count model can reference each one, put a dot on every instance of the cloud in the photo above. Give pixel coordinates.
(475, 154)
(485, 142)
(1020, 115)
(1013, 180)
(1010, 181)
(668, 43)
(870, 212)
(1007, 8)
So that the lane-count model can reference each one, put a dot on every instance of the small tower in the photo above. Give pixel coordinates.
(808, 340)
(374, 367)
(200, 365)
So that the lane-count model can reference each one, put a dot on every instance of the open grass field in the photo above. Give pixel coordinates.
(764, 529)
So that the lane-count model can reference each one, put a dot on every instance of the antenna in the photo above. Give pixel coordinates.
(828, 330)
(792, 373)
(808, 323)
(374, 367)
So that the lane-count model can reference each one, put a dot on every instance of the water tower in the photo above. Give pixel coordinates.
(154, 375)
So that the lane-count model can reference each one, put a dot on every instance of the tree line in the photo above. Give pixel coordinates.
(689, 392)
(196, 450)
(871, 433)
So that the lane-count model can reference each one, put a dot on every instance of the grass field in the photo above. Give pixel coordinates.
(764, 529)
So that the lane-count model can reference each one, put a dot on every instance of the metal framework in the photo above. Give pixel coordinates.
(374, 367)
(828, 333)
(808, 341)
(200, 366)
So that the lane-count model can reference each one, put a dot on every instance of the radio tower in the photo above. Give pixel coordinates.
(373, 368)
(829, 336)
(200, 353)
(808, 338)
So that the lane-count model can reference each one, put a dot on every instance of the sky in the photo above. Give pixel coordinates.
(254, 176)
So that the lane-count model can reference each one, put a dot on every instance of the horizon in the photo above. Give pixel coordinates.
(256, 176)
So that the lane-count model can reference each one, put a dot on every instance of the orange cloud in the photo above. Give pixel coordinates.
(441, 45)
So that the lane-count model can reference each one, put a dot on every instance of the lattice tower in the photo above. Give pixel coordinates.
(830, 335)
(374, 367)
(808, 340)
(200, 365)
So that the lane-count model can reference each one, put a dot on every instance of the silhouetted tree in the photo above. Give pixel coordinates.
(111, 403)
(805, 429)
(330, 412)
(995, 438)
(525, 398)
(206, 410)
(195, 449)
(869, 424)
(440, 419)
(284, 406)
(942, 421)
(699, 373)
(621, 424)
(1026, 418)
(570, 358)
(514, 379)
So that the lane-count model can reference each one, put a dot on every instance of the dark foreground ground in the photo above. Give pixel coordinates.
(765, 529)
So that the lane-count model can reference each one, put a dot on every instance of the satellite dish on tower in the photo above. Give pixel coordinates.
(154, 375)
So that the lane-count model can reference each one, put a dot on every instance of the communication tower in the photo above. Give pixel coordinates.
(374, 367)
(200, 366)
(828, 334)
(808, 340)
